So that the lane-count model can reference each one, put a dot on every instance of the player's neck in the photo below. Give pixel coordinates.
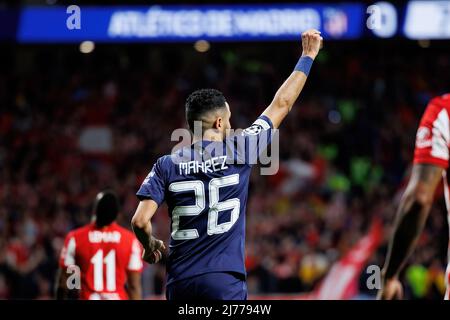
(209, 135)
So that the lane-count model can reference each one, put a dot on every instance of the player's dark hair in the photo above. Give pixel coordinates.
(106, 208)
(202, 101)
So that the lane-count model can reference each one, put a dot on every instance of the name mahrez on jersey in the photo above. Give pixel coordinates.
(211, 165)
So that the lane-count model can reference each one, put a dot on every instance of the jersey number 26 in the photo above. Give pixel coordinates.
(214, 206)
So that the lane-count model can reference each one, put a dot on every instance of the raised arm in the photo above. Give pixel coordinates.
(411, 217)
(289, 91)
(142, 227)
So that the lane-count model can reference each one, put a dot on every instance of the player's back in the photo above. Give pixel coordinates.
(206, 198)
(104, 255)
(205, 186)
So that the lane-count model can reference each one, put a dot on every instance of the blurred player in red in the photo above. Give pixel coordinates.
(431, 160)
(107, 255)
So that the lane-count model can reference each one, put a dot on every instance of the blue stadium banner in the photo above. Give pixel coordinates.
(188, 23)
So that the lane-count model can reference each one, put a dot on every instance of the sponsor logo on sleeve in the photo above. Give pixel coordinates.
(253, 130)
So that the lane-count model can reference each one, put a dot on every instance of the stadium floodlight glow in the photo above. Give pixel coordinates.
(201, 45)
(87, 46)
(427, 20)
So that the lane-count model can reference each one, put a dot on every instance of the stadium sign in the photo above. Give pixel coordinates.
(188, 23)
(183, 23)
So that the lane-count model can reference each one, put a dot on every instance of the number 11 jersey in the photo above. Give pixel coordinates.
(103, 256)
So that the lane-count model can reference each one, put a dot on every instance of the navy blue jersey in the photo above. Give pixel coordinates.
(205, 186)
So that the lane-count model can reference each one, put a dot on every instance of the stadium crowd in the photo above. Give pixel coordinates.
(72, 124)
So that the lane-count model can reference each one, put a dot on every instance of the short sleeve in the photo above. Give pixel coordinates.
(135, 263)
(257, 138)
(153, 186)
(67, 257)
(433, 136)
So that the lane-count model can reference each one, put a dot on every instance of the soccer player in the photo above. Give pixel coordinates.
(206, 193)
(108, 257)
(431, 158)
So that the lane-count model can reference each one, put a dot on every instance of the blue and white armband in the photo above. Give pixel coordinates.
(304, 64)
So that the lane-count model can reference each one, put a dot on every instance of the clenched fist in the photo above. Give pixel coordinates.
(311, 43)
(153, 253)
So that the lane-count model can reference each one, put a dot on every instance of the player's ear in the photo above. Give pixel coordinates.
(218, 124)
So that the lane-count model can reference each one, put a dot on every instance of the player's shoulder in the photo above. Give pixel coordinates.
(163, 159)
(442, 101)
(126, 236)
(124, 231)
(437, 108)
(160, 167)
(179, 155)
(164, 162)
(80, 231)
